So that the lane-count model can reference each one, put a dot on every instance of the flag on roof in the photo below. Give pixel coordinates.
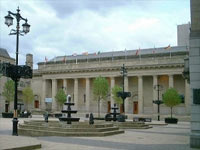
(74, 54)
(168, 47)
(64, 59)
(85, 53)
(46, 59)
(137, 52)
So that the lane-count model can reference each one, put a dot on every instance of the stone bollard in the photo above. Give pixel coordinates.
(91, 119)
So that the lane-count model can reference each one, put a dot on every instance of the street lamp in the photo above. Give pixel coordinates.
(158, 102)
(123, 71)
(16, 77)
(122, 93)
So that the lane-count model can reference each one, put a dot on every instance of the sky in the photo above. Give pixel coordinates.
(65, 27)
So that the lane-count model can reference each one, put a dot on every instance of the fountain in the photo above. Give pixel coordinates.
(68, 111)
(114, 113)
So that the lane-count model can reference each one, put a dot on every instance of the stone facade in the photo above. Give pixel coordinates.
(194, 60)
(4, 58)
(145, 70)
(5, 106)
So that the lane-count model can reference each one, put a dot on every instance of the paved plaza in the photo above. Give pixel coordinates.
(168, 137)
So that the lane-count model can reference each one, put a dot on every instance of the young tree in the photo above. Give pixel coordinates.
(61, 97)
(28, 96)
(100, 90)
(171, 98)
(9, 91)
(115, 90)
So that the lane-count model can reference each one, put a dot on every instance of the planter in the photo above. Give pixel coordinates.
(99, 118)
(7, 115)
(171, 120)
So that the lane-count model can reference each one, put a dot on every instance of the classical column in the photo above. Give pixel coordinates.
(155, 93)
(112, 84)
(126, 90)
(87, 91)
(65, 85)
(140, 94)
(76, 93)
(54, 91)
(42, 103)
(171, 81)
(187, 97)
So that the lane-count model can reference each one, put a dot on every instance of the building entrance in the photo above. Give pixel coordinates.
(135, 107)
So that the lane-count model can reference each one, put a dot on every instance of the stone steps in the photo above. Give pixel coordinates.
(33, 132)
(56, 128)
(46, 128)
(132, 125)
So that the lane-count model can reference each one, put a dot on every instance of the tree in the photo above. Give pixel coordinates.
(60, 97)
(28, 96)
(9, 91)
(171, 98)
(100, 90)
(115, 90)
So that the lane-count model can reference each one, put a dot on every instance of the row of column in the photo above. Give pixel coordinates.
(112, 84)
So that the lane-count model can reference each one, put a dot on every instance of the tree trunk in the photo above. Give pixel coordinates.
(171, 112)
(99, 108)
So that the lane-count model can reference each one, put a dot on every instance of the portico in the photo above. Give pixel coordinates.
(142, 76)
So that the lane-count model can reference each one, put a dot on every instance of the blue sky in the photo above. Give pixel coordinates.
(64, 27)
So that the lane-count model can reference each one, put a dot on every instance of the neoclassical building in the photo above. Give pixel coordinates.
(146, 68)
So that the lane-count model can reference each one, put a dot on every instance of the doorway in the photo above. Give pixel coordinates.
(135, 107)
(6, 107)
(109, 107)
(36, 104)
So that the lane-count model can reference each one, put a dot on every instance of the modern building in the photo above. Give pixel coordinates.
(183, 34)
(146, 68)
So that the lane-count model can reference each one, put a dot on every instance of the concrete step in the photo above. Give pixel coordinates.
(33, 132)
(132, 125)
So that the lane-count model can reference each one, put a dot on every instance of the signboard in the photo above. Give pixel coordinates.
(48, 100)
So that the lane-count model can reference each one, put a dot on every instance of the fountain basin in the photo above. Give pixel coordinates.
(69, 119)
(69, 111)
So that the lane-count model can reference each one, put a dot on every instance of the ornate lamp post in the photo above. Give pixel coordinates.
(123, 94)
(158, 102)
(124, 73)
(16, 77)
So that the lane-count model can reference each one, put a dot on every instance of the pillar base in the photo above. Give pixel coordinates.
(15, 122)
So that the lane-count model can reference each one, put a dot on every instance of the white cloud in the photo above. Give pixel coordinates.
(67, 27)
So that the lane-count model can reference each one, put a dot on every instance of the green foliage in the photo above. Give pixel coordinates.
(100, 88)
(171, 98)
(28, 96)
(117, 99)
(9, 90)
(61, 96)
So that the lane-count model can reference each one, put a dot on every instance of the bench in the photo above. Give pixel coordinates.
(142, 119)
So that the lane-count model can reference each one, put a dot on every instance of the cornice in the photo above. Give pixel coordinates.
(108, 69)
